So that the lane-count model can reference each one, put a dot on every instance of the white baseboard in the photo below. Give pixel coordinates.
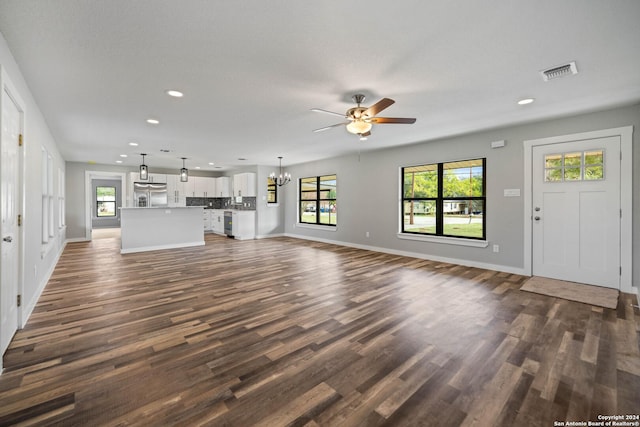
(77, 239)
(268, 236)
(466, 263)
(161, 247)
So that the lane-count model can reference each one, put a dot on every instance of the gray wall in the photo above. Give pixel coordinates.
(368, 189)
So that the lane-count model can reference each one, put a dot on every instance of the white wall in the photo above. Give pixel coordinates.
(38, 259)
(368, 190)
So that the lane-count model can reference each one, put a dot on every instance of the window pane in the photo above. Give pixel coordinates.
(421, 182)
(420, 216)
(572, 159)
(553, 161)
(308, 212)
(328, 187)
(106, 194)
(328, 213)
(553, 175)
(463, 218)
(308, 184)
(462, 179)
(572, 174)
(593, 173)
(106, 209)
(595, 157)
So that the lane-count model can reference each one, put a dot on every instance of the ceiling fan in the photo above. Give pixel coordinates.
(361, 119)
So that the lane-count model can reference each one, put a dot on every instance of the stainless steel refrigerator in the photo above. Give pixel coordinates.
(149, 195)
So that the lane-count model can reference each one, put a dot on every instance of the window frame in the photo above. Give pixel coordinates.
(318, 200)
(440, 199)
(272, 187)
(115, 201)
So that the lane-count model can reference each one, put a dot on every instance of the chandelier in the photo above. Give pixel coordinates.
(283, 178)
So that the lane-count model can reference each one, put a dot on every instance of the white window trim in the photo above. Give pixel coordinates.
(332, 228)
(458, 241)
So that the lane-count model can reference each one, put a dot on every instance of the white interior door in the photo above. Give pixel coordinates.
(576, 211)
(8, 217)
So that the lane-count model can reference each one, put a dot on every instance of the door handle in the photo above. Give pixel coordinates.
(8, 239)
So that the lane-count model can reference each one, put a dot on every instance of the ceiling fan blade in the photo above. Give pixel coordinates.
(378, 106)
(332, 126)
(391, 120)
(320, 110)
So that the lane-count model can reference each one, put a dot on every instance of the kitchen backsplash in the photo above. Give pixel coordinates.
(248, 203)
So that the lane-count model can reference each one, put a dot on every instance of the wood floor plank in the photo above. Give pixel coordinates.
(292, 332)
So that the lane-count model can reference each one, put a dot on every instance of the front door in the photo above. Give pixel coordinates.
(8, 220)
(576, 211)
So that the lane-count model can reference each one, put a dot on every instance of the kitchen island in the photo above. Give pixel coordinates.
(150, 229)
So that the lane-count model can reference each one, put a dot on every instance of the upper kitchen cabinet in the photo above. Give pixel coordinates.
(153, 177)
(176, 191)
(244, 185)
(158, 178)
(201, 186)
(223, 186)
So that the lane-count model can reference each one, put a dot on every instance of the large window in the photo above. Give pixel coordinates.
(318, 200)
(105, 201)
(445, 199)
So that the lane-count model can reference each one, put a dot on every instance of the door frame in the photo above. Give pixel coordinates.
(626, 196)
(7, 85)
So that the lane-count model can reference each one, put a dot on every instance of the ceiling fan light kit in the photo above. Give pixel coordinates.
(361, 119)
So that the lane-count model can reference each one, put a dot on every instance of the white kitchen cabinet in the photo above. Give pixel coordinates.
(176, 191)
(244, 225)
(217, 221)
(223, 186)
(244, 184)
(204, 186)
(201, 186)
(206, 219)
(157, 178)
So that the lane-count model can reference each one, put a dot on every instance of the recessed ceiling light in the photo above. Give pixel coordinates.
(153, 121)
(123, 155)
(118, 161)
(526, 101)
(175, 93)
(197, 167)
(133, 144)
(211, 163)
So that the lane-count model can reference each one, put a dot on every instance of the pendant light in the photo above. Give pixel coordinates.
(283, 178)
(144, 170)
(184, 172)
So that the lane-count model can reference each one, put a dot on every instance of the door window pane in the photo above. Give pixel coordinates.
(574, 166)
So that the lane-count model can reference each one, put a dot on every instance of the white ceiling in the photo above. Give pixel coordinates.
(251, 70)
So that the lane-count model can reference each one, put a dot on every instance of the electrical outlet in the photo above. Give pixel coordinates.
(366, 234)
(496, 248)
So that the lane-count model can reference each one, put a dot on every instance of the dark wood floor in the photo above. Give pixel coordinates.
(280, 332)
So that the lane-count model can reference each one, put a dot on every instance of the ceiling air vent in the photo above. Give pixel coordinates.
(559, 71)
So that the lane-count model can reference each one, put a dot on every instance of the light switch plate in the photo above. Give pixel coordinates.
(511, 192)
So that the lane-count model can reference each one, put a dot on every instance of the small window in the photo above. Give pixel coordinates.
(105, 201)
(574, 166)
(317, 200)
(272, 191)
